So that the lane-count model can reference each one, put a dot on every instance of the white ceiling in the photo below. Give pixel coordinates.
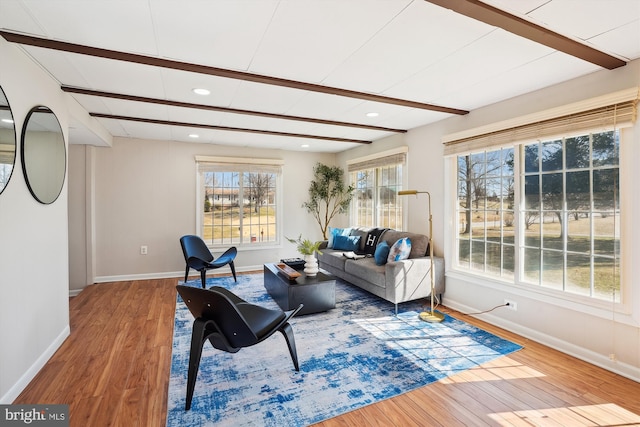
(412, 50)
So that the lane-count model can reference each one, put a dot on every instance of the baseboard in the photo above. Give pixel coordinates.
(30, 374)
(617, 367)
(165, 275)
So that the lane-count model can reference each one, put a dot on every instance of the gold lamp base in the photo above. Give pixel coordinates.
(431, 316)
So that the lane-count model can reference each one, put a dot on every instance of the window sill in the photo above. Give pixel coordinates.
(247, 247)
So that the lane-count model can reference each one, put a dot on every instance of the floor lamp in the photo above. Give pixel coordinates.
(428, 315)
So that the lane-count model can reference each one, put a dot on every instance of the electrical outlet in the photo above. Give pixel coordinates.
(613, 357)
(143, 250)
(511, 305)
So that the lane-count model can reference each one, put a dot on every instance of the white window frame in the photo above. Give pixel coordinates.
(377, 161)
(487, 140)
(243, 165)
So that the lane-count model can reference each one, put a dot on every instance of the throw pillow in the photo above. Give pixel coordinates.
(372, 239)
(400, 250)
(346, 243)
(382, 252)
(333, 232)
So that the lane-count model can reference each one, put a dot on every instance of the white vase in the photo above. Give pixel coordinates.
(310, 265)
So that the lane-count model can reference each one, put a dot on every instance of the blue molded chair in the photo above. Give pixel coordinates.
(230, 323)
(198, 256)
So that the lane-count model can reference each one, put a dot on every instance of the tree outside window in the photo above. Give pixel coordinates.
(239, 204)
(566, 214)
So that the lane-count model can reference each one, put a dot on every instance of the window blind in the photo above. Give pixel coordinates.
(213, 164)
(618, 115)
(391, 160)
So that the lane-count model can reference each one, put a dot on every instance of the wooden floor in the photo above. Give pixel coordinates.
(114, 370)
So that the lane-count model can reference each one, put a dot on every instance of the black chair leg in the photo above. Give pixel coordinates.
(233, 270)
(287, 332)
(186, 274)
(203, 279)
(197, 342)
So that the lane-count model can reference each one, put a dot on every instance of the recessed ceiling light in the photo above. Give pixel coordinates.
(7, 120)
(372, 114)
(194, 135)
(201, 91)
(304, 146)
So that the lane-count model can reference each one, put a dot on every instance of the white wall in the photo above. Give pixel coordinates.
(592, 334)
(34, 305)
(78, 242)
(145, 194)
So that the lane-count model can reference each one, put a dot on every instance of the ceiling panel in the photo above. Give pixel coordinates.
(14, 14)
(406, 49)
(179, 85)
(308, 39)
(407, 45)
(541, 73)
(491, 55)
(99, 73)
(105, 24)
(521, 7)
(589, 17)
(145, 130)
(218, 33)
(134, 109)
(411, 118)
(625, 40)
(259, 97)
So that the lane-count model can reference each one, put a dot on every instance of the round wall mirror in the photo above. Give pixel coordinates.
(44, 155)
(7, 141)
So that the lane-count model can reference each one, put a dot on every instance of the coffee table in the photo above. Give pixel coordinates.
(317, 293)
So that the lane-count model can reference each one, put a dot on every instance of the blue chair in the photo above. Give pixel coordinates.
(198, 256)
(230, 323)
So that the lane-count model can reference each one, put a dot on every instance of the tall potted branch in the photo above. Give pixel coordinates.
(328, 195)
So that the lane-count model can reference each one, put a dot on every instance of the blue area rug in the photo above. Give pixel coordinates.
(354, 355)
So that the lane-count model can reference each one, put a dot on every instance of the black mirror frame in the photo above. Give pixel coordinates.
(15, 140)
(23, 158)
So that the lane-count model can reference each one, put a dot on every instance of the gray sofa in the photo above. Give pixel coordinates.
(396, 281)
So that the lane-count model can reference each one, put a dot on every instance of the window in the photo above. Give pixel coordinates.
(571, 214)
(239, 201)
(543, 211)
(486, 212)
(377, 182)
(569, 218)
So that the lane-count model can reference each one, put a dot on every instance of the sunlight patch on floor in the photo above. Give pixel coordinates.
(444, 349)
(502, 368)
(607, 414)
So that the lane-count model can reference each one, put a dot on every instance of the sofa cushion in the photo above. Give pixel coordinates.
(362, 232)
(333, 258)
(346, 243)
(419, 242)
(381, 254)
(366, 269)
(371, 240)
(333, 232)
(400, 250)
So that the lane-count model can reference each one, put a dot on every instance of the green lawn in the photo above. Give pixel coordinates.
(606, 271)
(224, 224)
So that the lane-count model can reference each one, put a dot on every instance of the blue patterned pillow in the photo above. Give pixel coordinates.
(381, 253)
(346, 243)
(333, 232)
(400, 250)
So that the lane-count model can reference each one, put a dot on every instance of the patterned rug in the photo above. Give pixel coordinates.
(354, 355)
